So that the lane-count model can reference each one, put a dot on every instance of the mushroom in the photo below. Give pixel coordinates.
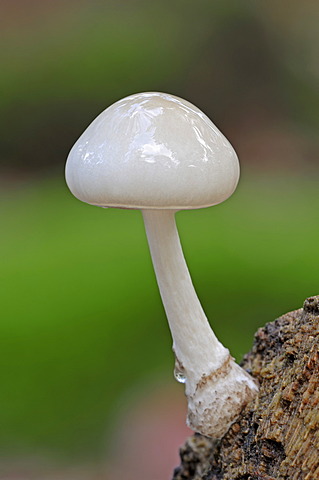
(161, 154)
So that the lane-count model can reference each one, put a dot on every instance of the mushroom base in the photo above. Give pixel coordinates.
(219, 398)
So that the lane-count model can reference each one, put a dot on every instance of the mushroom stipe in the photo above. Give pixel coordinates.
(161, 154)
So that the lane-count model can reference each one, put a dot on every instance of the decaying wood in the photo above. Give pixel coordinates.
(277, 435)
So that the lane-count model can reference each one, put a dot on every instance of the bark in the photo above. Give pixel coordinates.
(276, 435)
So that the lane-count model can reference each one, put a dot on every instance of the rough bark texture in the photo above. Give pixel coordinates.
(277, 435)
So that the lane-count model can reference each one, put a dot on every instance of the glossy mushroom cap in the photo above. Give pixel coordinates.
(152, 150)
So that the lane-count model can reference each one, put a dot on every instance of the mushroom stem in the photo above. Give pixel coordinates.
(194, 343)
(211, 375)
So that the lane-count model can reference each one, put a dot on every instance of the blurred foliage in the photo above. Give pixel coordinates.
(82, 316)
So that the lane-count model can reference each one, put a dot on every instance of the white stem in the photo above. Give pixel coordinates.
(196, 347)
(217, 389)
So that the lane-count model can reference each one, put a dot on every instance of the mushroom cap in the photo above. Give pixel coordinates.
(152, 150)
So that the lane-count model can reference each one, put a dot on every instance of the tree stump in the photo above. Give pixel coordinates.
(276, 436)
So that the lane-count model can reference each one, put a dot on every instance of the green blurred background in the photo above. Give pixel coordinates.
(82, 327)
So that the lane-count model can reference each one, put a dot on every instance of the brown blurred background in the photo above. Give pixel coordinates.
(252, 67)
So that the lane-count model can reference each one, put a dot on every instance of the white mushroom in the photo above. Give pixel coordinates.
(161, 154)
